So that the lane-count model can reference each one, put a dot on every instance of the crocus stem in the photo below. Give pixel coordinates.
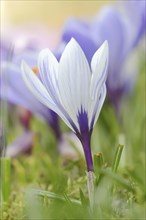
(90, 185)
(87, 153)
(90, 173)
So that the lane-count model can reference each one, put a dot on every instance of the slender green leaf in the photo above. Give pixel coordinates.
(5, 178)
(117, 158)
(53, 195)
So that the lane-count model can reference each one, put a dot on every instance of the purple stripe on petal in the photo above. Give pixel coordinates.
(83, 122)
(85, 135)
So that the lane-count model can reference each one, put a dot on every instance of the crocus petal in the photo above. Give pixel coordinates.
(99, 66)
(48, 68)
(41, 93)
(96, 105)
(81, 32)
(66, 88)
(74, 76)
(37, 88)
(14, 90)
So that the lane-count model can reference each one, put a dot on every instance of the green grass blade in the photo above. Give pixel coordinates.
(117, 158)
(5, 178)
(53, 195)
(98, 162)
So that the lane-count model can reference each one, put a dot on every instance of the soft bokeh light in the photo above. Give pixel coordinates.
(52, 13)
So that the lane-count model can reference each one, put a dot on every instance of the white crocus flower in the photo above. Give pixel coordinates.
(71, 88)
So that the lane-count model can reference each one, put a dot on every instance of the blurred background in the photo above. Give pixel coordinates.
(43, 17)
(51, 13)
(34, 15)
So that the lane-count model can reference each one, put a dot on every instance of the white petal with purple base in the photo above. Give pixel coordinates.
(70, 88)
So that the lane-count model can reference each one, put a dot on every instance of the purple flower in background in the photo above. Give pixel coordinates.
(123, 34)
(80, 31)
(136, 16)
(25, 42)
(17, 42)
(71, 88)
(123, 30)
(14, 90)
(22, 145)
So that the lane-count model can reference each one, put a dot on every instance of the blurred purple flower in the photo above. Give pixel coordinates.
(25, 42)
(22, 145)
(123, 30)
(80, 31)
(14, 90)
(137, 16)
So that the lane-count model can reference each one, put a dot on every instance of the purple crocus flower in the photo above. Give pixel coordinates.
(137, 17)
(123, 34)
(123, 31)
(22, 145)
(71, 89)
(74, 91)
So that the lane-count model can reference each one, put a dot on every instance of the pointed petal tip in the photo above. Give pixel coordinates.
(45, 53)
(73, 42)
(105, 42)
(71, 47)
(105, 46)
